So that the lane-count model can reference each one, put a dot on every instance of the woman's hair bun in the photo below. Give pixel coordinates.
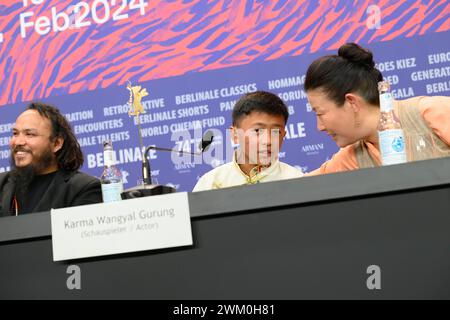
(356, 54)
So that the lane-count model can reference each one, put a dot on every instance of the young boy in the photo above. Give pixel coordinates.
(259, 121)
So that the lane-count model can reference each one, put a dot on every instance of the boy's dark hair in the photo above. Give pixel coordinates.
(259, 101)
(351, 71)
(70, 156)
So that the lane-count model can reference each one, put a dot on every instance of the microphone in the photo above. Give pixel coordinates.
(206, 141)
(148, 189)
(204, 145)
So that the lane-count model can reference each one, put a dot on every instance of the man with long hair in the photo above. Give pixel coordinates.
(45, 159)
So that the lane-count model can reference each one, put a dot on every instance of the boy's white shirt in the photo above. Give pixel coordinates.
(231, 175)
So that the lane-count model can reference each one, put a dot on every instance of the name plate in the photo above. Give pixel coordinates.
(141, 224)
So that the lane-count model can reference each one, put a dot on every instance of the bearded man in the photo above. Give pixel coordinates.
(45, 159)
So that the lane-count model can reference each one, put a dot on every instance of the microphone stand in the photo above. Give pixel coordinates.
(148, 188)
(146, 171)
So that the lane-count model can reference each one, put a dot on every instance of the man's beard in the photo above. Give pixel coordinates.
(24, 176)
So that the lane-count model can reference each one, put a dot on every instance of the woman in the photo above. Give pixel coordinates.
(343, 91)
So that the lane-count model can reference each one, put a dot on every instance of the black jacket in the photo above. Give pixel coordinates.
(68, 189)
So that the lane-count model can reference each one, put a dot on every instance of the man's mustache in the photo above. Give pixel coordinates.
(21, 149)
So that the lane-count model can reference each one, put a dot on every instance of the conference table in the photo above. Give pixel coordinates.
(324, 237)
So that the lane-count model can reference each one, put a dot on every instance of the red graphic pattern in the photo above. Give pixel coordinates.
(177, 37)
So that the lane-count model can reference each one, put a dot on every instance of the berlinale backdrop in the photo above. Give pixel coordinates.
(196, 57)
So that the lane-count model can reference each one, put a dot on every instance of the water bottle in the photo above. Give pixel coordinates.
(111, 179)
(390, 132)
